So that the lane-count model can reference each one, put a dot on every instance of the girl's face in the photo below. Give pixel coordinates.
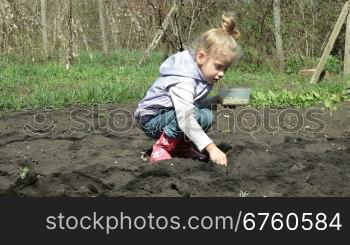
(213, 66)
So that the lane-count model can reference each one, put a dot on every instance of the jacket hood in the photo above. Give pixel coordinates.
(181, 64)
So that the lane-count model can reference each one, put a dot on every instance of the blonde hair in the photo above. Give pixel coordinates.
(219, 39)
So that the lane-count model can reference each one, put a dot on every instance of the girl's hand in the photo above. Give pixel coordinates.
(216, 155)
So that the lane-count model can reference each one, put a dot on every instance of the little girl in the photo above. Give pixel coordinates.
(176, 108)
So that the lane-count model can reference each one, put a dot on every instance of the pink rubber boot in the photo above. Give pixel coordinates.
(162, 148)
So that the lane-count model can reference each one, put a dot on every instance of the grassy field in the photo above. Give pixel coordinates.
(116, 78)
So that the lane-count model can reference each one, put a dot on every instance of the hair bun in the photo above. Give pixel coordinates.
(229, 25)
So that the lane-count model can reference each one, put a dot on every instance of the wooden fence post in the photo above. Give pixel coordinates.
(44, 27)
(347, 45)
(330, 43)
(279, 42)
(70, 55)
(159, 33)
(102, 25)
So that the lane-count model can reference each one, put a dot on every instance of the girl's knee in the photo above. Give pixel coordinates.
(206, 116)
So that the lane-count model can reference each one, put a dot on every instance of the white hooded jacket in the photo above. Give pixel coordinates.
(181, 86)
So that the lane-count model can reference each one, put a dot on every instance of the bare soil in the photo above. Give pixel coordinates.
(98, 151)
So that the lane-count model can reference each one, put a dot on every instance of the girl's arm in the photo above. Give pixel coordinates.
(182, 96)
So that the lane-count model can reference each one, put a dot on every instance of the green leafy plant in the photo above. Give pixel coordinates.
(288, 98)
(295, 64)
(334, 64)
(292, 65)
(23, 172)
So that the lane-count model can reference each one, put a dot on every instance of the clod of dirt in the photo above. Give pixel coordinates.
(93, 188)
(297, 167)
(28, 163)
(3, 173)
(30, 178)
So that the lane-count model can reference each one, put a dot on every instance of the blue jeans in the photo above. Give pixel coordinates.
(166, 122)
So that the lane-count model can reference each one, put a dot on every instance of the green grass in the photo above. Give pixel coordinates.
(116, 78)
(282, 90)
